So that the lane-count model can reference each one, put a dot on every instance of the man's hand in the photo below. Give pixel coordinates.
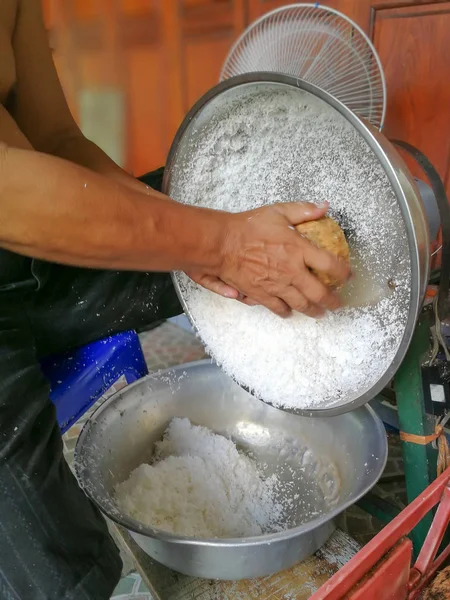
(266, 261)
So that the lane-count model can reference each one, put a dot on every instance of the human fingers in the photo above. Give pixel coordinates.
(299, 303)
(216, 285)
(325, 262)
(300, 212)
(273, 303)
(248, 301)
(316, 292)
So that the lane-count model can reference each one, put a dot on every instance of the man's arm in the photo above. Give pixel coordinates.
(39, 106)
(55, 210)
(59, 211)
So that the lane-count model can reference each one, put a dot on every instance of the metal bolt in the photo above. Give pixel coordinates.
(391, 284)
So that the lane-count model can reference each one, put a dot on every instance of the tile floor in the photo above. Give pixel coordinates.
(169, 345)
(132, 587)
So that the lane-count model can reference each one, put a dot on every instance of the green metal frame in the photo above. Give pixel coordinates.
(419, 460)
(381, 509)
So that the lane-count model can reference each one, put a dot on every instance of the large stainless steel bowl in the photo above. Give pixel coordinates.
(217, 101)
(337, 459)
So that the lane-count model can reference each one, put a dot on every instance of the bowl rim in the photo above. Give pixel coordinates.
(138, 528)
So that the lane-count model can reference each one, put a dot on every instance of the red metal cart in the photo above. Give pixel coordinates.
(382, 569)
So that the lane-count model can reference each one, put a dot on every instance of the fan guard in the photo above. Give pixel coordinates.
(317, 44)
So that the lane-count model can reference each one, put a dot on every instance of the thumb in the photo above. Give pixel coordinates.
(299, 212)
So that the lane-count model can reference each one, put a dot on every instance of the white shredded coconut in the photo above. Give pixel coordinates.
(277, 146)
(200, 485)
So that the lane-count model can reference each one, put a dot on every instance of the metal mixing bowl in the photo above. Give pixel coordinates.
(337, 460)
(216, 102)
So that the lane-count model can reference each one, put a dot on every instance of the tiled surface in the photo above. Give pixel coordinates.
(132, 587)
(169, 345)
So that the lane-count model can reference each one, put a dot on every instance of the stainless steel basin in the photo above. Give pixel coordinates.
(336, 460)
(194, 133)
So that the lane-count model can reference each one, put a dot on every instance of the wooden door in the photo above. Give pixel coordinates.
(160, 56)
(355, 9)
(208, 29)
(141, 64)
(111, 61)
(411, 38)
(412, 42)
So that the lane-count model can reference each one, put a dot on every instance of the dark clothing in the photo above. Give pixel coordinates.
(54, 544)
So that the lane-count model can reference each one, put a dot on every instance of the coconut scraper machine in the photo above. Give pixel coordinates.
(322, 46)
(420, 368)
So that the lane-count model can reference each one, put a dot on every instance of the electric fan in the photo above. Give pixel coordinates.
(317, 44)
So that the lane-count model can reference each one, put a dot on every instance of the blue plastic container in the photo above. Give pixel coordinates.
(79, 378)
